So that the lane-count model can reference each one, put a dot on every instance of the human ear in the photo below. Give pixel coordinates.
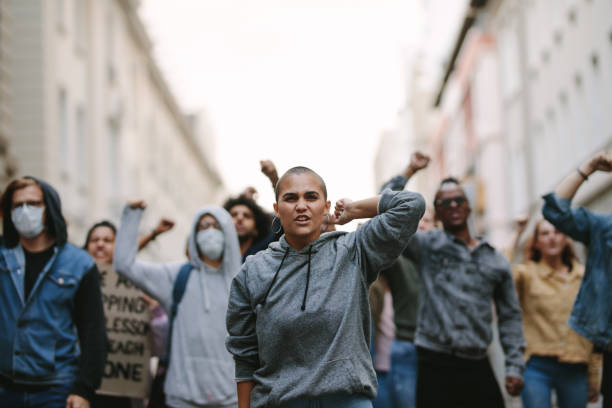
(275, 205)
(327, 206)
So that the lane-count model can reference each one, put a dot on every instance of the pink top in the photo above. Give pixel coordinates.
(385, 332)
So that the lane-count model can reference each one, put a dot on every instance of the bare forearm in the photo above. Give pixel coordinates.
(144, 240)
(367, 208)
(602, 161)
(244, 393)
(570, 184)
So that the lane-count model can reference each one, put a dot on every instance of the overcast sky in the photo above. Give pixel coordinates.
(301, 82)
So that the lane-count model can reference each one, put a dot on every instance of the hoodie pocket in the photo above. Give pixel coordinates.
(204, 381)
(337, 376)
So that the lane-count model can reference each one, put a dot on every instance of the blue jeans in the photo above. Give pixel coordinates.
(29, 397)
(397, 388)
(330, 401)
(543, 374)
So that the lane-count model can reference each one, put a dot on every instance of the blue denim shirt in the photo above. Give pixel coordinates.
(38, 339)
(592, 313)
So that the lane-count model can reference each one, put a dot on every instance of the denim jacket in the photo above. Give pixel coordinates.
(38, 339)
(592, 313)
(458, 286)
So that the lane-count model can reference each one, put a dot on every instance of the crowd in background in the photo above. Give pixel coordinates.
(281, 310)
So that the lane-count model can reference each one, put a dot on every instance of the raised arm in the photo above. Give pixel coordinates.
(395, 217)
(242, 337)
(269, 170)
(575, 222)
(164, 225)
(418, 161)
(602, 161)
(154, 279)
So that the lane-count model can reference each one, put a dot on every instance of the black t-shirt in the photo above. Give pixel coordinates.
(35, 262)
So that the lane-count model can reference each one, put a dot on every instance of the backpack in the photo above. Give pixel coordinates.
(157, 399)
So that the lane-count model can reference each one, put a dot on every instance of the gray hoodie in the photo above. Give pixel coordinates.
(299, 321)
(200, 372)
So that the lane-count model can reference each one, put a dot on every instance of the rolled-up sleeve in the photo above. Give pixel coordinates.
(575, 222)
(510, 323)
(383, 238)
(240, 320)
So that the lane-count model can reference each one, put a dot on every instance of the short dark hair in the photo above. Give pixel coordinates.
(103, 223)
(446, 180)
(300, 170)
(262, 219)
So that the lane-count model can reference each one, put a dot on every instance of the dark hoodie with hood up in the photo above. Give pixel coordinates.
(88, 312)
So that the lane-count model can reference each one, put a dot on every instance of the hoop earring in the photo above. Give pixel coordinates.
(276, 220)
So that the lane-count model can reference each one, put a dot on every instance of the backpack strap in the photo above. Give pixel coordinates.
(178, 290)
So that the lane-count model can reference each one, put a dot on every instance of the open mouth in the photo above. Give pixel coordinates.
(302, 219)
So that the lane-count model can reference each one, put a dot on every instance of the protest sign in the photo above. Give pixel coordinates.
(128, 324)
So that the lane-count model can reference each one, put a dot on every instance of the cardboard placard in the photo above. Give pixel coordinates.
(128, 325)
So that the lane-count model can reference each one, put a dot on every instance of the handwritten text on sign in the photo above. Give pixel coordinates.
(128, 325)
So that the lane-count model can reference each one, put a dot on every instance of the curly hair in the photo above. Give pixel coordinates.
(262, 219)
(568, 256)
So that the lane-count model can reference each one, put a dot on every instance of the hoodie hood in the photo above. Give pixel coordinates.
(55, 222)
(282, 246)
(230, 265)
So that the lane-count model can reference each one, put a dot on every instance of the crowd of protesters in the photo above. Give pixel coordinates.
(280, 310)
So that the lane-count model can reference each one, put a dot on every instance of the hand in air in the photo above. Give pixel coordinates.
(341, 216)
(164, 225)
(269, 169)
(136, 204)
(602, 161)
(419, 161)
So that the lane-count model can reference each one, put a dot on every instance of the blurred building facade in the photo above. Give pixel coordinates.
(7, 160)
(93, 115)
(520, 102)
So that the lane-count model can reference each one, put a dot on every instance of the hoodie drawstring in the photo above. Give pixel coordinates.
(274, 279)
(307, 280)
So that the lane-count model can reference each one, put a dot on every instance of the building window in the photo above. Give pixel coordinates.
(110, 45)
(113, 163)
(60, 15)
(62, 130)
(80, 25)
(82, 148)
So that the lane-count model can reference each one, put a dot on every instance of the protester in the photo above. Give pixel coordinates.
(52, 331)
(557, 357)
(460, 276)
(200, 369)
(381, 307)
(397, 384)
(298, 316)
(252, 225)
(100, 243)
(591, 315)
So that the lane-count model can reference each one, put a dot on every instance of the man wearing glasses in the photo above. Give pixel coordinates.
(461, 276)
(52, 334)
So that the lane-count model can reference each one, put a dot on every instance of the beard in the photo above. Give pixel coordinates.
(246, 237)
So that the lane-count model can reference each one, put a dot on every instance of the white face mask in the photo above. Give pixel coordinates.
(211, 242)
(28, 220)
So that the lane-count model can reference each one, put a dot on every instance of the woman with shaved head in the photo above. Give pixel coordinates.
(298, 316)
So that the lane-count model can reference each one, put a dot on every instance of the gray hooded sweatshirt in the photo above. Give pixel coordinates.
(200, 372)
(299, 321)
